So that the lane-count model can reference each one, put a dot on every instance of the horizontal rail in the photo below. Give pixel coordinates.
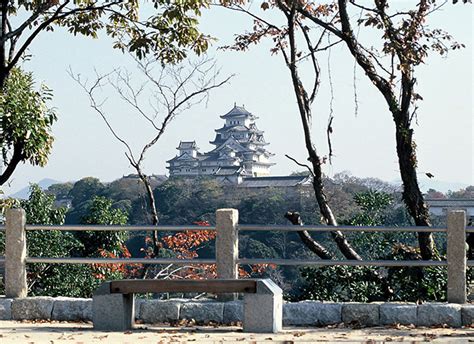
(290, 228)
(70, 260)
(117, 228)
(285, 228)
(327, 262)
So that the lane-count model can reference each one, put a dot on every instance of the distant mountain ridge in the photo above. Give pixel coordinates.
(439, 185)
(425, 184)
(43, 184)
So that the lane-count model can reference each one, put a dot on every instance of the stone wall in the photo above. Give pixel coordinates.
(305, 313)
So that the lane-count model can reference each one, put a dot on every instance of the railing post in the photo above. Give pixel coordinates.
(227, 246)
(15, 254)
(456, 256)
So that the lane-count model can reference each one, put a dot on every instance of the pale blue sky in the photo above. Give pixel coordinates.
(363, 144)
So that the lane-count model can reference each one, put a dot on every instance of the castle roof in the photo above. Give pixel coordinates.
(187, 145)
(240, 127)
(229, 170)
(277, 181)
(184, 157)
(237, 111)
(231, 142)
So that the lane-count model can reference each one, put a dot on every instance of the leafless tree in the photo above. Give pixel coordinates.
(174, 89)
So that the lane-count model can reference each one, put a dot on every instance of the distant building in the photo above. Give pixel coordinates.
(239, 151)
(441, 206)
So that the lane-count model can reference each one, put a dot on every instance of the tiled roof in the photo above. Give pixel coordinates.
(228, 170)
(237, 111)
(277, 181)
(187, 145)
(185, 157)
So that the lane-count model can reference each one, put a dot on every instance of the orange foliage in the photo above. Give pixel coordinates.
(185, 245)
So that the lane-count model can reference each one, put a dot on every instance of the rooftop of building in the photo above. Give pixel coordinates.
(274, 181)
(450, 202)
(229, 170)
(187, 145)
(237, 111)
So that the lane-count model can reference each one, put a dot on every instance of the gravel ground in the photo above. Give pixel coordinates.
(63, 332)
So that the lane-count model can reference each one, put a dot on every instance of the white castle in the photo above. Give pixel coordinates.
(239, 152)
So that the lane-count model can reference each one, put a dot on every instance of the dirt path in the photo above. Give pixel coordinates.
(76, 333)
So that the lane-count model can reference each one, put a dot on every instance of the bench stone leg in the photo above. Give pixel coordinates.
(113, 312)
(263, 310)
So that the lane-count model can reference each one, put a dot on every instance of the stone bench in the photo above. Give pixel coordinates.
(113, 302)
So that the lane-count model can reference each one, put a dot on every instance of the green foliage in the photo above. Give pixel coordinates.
(344, 283)
(183, 201)
(47, 279)
(100, 212)
(372, 204)
(264, 208)
(85, 189)
(25, 119)
(341, 284)
(64, 279)
(60, 191)
(40, 208)
(168, 32)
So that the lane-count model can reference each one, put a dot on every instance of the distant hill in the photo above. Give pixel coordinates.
(439, 185)
(43, 184)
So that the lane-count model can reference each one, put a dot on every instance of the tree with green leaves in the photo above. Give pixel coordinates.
(53, 279)
(101, 212)
(168, 30)
(26, 121)
(165, 29)
(85, 189)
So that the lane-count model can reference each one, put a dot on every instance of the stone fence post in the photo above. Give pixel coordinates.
(456, 256)
(15, 254)
(227, 246)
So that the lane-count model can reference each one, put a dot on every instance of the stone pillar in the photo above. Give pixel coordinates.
(227, 246)
(112, 312)
(15, 254)
(263, 311)
(456, 256)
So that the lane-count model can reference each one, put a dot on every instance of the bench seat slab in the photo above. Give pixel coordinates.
(183, 286)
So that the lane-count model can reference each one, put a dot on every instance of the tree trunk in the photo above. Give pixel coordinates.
(400, 111)
(312, 244)
(412, 195)
(16, 158)
(340, 239)
(304, 106)
(152, 206)
(3, 31)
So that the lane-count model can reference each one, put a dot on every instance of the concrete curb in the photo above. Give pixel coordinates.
(305, 313)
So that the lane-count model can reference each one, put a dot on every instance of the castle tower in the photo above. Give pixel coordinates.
(239, 150)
